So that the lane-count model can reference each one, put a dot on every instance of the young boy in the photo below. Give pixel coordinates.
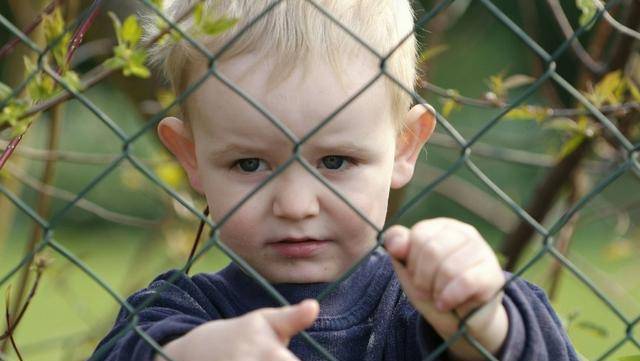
(298, 234)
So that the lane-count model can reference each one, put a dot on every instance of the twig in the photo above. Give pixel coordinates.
(549, 112)
(565, 26)
(98, 73)
(11, 44)
(73, 157)
(32, 293)
(82, 203)
(77, 37)
(197, 239)
(43, 206)
(509, 154)
(9, 327)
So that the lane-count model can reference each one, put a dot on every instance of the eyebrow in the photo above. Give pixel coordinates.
(235, 149)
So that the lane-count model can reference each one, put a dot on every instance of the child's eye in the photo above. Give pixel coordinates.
(334, 162)
(250, 165)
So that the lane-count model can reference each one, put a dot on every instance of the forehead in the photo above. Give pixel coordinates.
(302, 100)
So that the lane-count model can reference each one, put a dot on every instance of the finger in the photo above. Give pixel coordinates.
(475, 286)
(279, 353)
(289, 320)
(406, 282)
(431, 253)
(456, 263)
(396, 242)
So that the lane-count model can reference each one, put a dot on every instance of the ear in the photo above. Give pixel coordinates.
(177, 137)
(417, 129)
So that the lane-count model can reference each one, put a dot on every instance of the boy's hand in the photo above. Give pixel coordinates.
(259, 335)
(445, 265)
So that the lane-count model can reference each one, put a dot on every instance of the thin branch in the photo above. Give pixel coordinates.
(32, 293)
(60, 155)
(511, 155)
(549, 112)
(82, 203)
(565, 26)
(11, 44)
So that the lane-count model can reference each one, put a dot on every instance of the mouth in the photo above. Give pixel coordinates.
(298, 247)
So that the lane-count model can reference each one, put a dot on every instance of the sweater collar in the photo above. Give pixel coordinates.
(355, 297)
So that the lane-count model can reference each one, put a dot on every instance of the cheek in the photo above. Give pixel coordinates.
(371, 199)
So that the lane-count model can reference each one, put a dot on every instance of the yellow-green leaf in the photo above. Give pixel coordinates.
(117, 26)
(5, 90)
(158, 3)
(131, 31)
(198, 11)
(73, 80)
(517, 80)
(587, 9)
(218, 26)
(562, 124)
(53, 25)
(496, 84)
(633, 89)
(527, 112)
(572, 144)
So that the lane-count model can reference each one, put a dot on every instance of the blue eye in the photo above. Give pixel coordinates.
(333, 161)
(249, 164)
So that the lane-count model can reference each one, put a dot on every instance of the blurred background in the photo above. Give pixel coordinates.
(547, 155)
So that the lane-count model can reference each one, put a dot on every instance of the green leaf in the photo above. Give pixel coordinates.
(41, 86)
(572, 144)
(218, 26)
(198, 10)
(5, 90)
(117, 26)
(610, 89)
(633, 89)
(528, 112)
(131, 31)
(73, 80)
(496, 84)
(158, 3)
(53, 25)
(53, 28)
(432, 52)
(114, 63)
(135, 65)
(587, 9)
(517, 80)
(562, 124)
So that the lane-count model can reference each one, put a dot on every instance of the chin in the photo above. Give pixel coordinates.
(301, 275)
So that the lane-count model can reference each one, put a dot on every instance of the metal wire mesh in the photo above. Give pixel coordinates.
(547, 247)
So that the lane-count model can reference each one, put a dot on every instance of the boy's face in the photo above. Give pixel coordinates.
(295, 229)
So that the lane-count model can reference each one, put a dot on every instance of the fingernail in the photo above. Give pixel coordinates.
(440, 305)
(392, 241)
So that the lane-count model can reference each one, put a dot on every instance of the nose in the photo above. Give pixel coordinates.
(296, 194)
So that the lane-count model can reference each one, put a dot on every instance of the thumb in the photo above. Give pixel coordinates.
(396, 242)
(289, 320)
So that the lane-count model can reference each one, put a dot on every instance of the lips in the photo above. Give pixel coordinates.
(298, 247)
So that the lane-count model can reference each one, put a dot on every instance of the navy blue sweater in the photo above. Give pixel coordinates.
(367, 317)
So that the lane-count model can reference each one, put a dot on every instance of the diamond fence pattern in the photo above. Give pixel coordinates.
(48, 226)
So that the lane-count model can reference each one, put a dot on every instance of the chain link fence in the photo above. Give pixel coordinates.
(465, 146)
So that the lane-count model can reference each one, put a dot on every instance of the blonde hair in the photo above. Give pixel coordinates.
(295, 31)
